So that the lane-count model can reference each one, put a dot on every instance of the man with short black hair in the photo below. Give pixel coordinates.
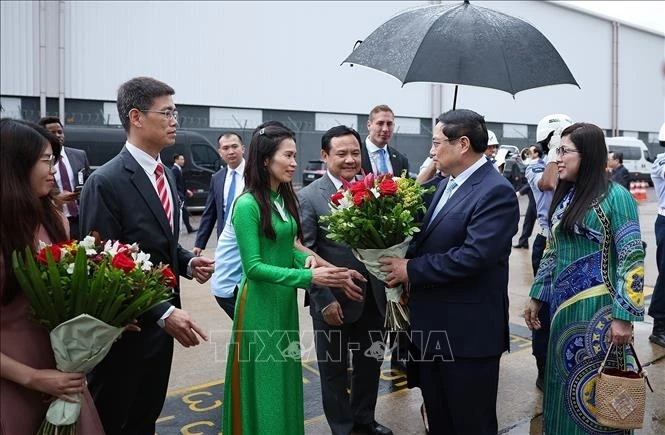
(71, 172)
(183, 192)
(619, 174)
(457, 270)
(132, 199)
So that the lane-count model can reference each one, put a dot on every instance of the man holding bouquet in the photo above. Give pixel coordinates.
(457, 268)
(133, 198)
(343, 320)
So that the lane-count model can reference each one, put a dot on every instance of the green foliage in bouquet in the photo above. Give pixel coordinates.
(376, 212)
(115, 283)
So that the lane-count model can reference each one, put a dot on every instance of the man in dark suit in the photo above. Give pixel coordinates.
(132, 198)
(183, 192)
(71, 172)
(377, 156)
(342, 319)
(620, 174)
(457, 269)
(231, 150)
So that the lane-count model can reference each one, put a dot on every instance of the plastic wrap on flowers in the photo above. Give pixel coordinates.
(397, 314)
(78, 345)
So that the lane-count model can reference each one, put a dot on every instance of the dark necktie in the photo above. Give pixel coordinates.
(230, 196)
(72, 207)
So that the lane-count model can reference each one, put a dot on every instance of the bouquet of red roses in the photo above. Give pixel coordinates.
(85, 293)
(377, 217)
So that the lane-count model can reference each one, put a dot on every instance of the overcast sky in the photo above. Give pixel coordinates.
(650, 14)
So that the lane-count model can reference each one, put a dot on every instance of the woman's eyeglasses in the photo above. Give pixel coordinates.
(48, 159)
(562, 151)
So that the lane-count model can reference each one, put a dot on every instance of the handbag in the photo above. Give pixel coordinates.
(621, 395)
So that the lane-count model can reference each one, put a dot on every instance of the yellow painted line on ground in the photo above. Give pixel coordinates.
(163, 419)
(194, 388)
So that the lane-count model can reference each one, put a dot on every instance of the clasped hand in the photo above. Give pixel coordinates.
(340, 277)
(202, 269)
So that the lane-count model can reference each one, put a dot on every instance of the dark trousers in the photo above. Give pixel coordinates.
(185, 218)
(74, 228)
(529, 220)
(460, 395)
(540, 337)
(228, 304)
(129, 385)
(657, 305)
(365, 338)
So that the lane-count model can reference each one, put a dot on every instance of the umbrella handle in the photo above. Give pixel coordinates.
(455, 98)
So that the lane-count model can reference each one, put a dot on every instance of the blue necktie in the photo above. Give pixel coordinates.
(383, 161)
(444, 198)
(230, 196)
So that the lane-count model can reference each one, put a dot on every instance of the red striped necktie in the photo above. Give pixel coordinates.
(163, 193)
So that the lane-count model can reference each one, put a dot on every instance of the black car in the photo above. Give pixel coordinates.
(313, 170)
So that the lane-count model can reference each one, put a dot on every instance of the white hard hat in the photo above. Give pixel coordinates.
(550, 123)
(491, 138)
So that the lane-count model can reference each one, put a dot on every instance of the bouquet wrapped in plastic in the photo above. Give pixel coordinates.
(377, 217)
(85, 293)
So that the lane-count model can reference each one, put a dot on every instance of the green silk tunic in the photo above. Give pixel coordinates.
(263, 385)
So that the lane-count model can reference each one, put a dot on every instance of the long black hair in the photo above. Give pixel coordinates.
(591, 180)
(264, 145)
(22, 145)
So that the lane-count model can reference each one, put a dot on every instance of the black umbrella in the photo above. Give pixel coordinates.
(463, 45)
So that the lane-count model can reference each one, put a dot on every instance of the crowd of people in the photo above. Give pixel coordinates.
(587, 260)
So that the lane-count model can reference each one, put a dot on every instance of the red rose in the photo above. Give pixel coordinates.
(388, 187)
(168, 277)
(337, 197)
(359, 197)
(124, 262)
(357, 187)
(56, 252)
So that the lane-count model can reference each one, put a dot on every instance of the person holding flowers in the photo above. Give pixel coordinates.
(457, 269)
(133, 199)
(29, 378)
(263, 384)
(343, 320)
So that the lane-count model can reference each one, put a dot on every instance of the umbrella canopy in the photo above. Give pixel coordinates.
(465, 45)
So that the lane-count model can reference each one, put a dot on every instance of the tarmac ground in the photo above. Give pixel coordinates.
(194, 401)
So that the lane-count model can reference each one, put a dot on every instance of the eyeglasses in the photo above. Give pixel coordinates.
(168, 113)
(449, 140)
(49, 159)
(562, 151)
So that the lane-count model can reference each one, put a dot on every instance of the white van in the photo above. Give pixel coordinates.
(636, 156)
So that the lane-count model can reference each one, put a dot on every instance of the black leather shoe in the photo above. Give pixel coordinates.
(521, 246)
(192, 230)
(658, 334)
(371, 428)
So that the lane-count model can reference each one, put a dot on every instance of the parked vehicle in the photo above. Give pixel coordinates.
(201, 157)
(313, 170)
(636, 156)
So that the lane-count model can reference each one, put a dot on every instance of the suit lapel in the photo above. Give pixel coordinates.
(219, 191)
(327, 188)
(148, 193)
(458, 197)
(394, 162)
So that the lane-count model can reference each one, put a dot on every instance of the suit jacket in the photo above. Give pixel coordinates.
(214, 209)
(179, 181)
(120, 202)
(314, 200)
(398, 160)
(621, 176)
(458, 269)
(78, 160)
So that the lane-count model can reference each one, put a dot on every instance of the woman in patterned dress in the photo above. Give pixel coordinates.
(586, 315)
(263, 385)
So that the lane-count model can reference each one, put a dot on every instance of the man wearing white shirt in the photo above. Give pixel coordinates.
(377, 156)
(71, 172)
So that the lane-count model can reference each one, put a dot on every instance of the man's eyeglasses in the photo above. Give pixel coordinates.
(562, 151)
(49, 159)
(449, 140)
(168, 113)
